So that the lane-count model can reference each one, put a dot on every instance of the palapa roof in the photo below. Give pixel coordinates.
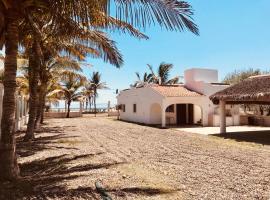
(255, 89)
(174, 91)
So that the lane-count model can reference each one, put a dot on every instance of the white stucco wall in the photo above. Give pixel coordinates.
(144, 98)
(197, 75)
(197, 114)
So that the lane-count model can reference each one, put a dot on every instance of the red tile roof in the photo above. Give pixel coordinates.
(175, 91)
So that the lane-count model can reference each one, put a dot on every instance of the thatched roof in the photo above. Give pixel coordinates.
(255, 89)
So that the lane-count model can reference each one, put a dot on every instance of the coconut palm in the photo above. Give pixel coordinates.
(171, 14)
(88, 93)
(147, 78)
(53, 69)
(52, 97)
(56, 68)
(162, 75)
(96, 84)
(75, 41)
(71, 88)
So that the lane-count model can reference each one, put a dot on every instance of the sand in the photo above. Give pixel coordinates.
(137, 162)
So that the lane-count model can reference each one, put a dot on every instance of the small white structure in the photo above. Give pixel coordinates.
(21, 113)
(184, 104)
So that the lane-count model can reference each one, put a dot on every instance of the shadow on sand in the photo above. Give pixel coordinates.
(46, 178)
(41, 142)
(260, 137)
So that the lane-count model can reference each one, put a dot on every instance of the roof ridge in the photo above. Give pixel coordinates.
(257, 76)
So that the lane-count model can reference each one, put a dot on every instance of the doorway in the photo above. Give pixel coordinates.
(185, 114)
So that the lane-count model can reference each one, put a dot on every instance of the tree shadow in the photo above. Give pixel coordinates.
(46, 178)
(260, 137)
(42, 142)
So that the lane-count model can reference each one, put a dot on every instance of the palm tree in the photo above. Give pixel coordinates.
(162, 75)
(96, 84)
(53, 69)
(88, 93)
(71, 86)
(75, 41)
(171, 14)
(147, 78)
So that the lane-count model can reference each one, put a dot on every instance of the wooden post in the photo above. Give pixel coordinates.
(81, 108)
(222, 107)
(109, 107)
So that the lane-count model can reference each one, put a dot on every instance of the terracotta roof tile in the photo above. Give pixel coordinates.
(175, 91)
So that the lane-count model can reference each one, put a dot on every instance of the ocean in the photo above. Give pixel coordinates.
(76, 105)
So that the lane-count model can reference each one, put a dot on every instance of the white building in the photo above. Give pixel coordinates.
(169, 105)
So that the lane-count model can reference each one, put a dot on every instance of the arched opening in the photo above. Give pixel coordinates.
(155, 114)
(183, 114)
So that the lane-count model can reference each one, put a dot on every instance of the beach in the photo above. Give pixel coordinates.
(138, 162)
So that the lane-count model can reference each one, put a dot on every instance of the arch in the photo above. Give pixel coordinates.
(155, 114)
(183, 113)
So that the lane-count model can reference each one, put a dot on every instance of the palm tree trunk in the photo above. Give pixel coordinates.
(95, 105)
(68, 108)
(34, 67)
(9, 167)
(40, 108)
(42, 113)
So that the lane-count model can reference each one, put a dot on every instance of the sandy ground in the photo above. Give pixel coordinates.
(138, 162)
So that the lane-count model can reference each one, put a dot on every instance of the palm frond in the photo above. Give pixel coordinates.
(171, 14)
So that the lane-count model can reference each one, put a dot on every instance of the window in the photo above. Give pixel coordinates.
(123, 107)
(170, 109)
(134, 108)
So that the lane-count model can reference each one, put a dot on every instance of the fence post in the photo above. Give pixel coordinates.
(81, 108)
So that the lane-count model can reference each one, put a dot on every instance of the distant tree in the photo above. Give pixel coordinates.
(147, 78)
(71, 85)
(239, 75)
(161, 77)
(163, 74)
(88, 92)
(95, 82)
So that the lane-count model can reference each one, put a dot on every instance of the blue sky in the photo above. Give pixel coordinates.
(234, 34)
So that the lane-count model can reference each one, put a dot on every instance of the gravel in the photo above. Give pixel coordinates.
(138, 162)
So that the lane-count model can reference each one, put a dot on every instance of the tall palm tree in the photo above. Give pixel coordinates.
(76, 42)
(162, 75)
(52, 71)
(95, 82)
(171, 14)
